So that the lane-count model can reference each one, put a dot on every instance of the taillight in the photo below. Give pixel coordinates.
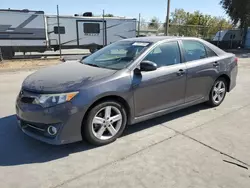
(236, 60)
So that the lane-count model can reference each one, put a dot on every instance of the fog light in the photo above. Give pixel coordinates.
(52, 130)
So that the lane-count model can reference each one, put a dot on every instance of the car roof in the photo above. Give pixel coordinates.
(151, 39)
(155, 39)
(158, 38)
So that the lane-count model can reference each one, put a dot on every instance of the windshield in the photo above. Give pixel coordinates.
(117, 55)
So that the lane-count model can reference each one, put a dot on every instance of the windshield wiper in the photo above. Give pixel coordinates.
(93, 65)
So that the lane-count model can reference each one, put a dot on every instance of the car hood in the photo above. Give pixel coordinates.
(68, 76)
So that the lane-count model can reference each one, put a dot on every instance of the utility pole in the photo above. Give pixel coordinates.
(59, 34)
(167, 19)
(103, 27)
(139, 25)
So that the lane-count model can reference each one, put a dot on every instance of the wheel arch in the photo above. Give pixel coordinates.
(115, 98)
(228, 80)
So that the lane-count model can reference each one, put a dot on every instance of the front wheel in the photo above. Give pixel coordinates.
(218, 92)
(105, 123)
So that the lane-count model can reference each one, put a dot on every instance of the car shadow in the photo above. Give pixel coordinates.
(17, 149)
(163, 119)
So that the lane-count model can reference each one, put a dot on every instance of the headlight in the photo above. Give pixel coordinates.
(48, 100)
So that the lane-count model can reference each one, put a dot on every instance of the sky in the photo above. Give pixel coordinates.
(128, 8)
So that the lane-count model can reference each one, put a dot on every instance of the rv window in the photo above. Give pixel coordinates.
(89, 28)
(62, 30)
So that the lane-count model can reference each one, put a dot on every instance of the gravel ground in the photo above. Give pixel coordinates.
(17, 65)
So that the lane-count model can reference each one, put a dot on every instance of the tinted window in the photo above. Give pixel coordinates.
(210, 53)
(193, 50)
(165, 54)
(61, 29)
(89, 28)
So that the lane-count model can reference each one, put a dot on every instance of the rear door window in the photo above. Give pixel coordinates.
(193, 50)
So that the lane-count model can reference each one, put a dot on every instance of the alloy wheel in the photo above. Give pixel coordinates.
(107, 123)
(219, 92)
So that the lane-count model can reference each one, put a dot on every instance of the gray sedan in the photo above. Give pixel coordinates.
(127, 82)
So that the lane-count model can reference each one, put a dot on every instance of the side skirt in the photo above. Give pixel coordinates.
(167, 111)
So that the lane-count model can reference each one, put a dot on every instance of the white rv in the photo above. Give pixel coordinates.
(88, 32)
(228, 35)
(22, 30)
(29, 31)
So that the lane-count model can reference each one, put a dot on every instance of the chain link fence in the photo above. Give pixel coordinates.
(205, 32)
(157, 29)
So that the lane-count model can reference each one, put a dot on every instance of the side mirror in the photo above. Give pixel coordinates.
(148, 66)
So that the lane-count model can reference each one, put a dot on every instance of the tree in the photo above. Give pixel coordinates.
(239, 12)
(154, 23)
(196, 24)
(179, 16)
(108, 15)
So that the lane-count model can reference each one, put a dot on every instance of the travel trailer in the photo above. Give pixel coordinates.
(88, 32)
(33, 31)
(22, 30)
(228, 35)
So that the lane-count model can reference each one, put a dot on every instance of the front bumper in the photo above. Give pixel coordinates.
(34, 121)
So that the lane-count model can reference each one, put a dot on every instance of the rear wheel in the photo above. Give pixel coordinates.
(218, 92)
(105, 123)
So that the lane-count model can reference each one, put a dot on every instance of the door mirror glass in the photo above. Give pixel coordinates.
(148, 66)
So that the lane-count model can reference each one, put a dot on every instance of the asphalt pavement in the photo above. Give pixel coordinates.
(195, 147)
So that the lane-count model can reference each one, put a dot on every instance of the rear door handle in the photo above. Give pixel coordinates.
(215, 64)
(181, 72)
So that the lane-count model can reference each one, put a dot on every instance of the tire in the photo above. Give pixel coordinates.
(91, 130)
(213, 101)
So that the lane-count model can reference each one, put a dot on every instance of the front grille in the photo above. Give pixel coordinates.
(27, 97)
(28, 100)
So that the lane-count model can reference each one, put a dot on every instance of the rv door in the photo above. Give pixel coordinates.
(91, 34)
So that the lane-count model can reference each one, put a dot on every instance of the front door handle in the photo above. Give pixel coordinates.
(181, 72)
(215, 64)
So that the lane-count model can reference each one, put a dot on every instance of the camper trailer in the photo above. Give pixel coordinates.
(228, 35)
(228, 39)
(30, 31)
(22, 30)
(88, 32)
